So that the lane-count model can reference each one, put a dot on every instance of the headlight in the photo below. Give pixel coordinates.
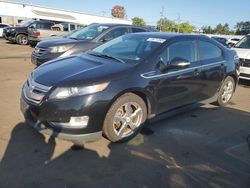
(62, 93)
(60, 49)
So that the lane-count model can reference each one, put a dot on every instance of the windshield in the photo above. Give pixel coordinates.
(68, 34)
(244, 42)
(130, 47)
(89, 33)
(26, 23)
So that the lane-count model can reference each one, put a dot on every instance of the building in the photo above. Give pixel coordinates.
(14, 13)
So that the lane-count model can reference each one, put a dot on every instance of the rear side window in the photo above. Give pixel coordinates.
(116, 33)
(43, 25)
(208, 51)
(137, 30)
(185, 50)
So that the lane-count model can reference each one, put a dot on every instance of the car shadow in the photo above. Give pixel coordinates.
(181, 151)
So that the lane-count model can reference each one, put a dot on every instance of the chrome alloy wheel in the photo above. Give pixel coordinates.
(127, 119)
(228, 90)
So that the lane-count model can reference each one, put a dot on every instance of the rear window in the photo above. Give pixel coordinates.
(209, 51)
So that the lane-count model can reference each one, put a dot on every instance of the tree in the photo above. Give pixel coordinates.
(207, 29)
(166, 25)
(222, 29)
(242, 28)
(118, 11)
(186, 28)
(138, 21)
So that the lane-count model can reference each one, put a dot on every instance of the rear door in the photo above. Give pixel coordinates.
(213, 68)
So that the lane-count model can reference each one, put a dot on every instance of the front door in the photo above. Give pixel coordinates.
(178, 86)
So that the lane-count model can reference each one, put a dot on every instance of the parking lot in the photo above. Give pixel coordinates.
(204, 147)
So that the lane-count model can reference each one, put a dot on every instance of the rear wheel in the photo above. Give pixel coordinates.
(125, 118)
(226, 92)
(22, 39)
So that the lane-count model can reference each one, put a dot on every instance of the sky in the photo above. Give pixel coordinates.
(196, 12)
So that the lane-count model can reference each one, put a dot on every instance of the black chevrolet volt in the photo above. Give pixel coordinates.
(115, 88)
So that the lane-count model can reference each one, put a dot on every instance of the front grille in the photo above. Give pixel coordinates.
(245, 62)
(34, 92)
(38, 52)
(245, 75)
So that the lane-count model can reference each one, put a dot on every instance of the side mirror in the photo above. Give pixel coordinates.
(32, 27)
(105, 39)
(178, 63)
(230, 45)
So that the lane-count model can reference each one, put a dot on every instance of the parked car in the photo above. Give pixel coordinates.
(116, 87)
(1, 28)
(243, 50)
(231, 42)
(80, 41)
(19, 34)
(38, 33)
(221, 40)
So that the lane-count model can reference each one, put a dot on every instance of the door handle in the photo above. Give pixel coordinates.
(196, 72)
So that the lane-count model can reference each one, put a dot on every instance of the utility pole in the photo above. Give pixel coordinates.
(178, 22)
(162, 17)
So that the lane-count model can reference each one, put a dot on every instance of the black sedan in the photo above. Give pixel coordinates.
(116, 87)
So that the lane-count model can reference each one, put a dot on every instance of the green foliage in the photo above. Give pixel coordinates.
(138, 21)
(207, 30)
(118, 11)
(219, 29)
(186, 28)
(167, 25)
(242, 28)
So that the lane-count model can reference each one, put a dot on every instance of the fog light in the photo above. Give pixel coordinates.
(79, 121)
(75, 122)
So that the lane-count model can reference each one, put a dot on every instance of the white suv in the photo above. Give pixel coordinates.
(243, 50)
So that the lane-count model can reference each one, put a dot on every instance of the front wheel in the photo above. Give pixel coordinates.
(226, 91)
(125, 118)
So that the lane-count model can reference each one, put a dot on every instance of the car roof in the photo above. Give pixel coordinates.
(127, 25)
(165, 35)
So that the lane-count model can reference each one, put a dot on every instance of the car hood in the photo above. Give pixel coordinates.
(79, 70)
(243, 53)
(58, 41)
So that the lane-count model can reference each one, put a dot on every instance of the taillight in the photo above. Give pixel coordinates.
(37, 33)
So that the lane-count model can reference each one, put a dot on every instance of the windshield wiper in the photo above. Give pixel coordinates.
(73, 38)
(106, 56)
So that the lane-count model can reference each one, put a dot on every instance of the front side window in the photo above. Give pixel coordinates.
(209, 51)
(244, 42)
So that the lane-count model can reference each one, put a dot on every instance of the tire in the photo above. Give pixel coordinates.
(22, 39)
(125, 118)
(226, 91)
